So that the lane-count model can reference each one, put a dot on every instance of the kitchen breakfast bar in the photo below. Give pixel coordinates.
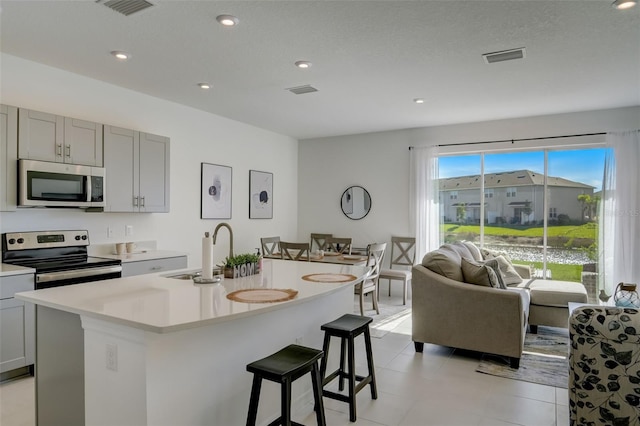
(155, 350)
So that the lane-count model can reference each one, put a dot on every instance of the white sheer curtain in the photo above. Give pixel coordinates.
(423, 199)
(619, 236)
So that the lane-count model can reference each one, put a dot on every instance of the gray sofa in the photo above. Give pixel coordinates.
(448, 311)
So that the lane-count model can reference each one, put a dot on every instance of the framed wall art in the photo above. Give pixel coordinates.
(215, 192)
(260, 195)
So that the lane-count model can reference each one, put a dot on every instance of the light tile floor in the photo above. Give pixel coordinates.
(436, 387)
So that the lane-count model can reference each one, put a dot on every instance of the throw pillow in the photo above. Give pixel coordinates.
(491, 254)
(474, 250)
(481, 273)
(507, 271)
(445, 262)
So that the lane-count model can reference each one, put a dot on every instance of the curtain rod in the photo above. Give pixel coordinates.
(520, 140)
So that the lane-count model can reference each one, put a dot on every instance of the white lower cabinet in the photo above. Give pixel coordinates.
(17, 324)
(153, 266)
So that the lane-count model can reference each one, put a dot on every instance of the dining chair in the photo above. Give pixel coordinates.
(403, 256)
(370, 284)
(317, 241)
(294, 251)
(338, 245)
(270, 245)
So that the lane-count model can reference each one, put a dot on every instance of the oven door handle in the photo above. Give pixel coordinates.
(79, 273)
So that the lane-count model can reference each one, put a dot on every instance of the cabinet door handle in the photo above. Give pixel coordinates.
(135, 201)
(68, 150)
(141, 201)
(155, 268)
(59, 150)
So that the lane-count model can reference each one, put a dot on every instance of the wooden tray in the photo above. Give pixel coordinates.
(329, 278)
(262, 295)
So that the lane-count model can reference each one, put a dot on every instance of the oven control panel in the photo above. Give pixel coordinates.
(44, 239)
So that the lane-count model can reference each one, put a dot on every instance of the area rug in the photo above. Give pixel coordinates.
(544, 359)
(392, 313)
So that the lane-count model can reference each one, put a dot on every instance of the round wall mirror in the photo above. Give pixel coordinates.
(355, 202)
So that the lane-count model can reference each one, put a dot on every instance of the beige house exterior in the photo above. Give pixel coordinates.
(515, 197)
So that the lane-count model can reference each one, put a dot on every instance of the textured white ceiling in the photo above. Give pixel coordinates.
(370, 58)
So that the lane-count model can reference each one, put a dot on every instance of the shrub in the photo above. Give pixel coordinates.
(564, 219)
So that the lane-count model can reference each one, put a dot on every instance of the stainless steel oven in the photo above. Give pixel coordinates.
(59, 257)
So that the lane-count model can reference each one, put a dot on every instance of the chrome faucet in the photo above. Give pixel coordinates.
(215, 234)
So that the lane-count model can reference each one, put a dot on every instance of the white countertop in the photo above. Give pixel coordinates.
(142, 255)
(160, 304)
(7, 270)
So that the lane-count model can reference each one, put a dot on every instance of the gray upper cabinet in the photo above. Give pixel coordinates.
(49, 137)
(82, 142)
(154, 173)
(8, 157)
(137, 166)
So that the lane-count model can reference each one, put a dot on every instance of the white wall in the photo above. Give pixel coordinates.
(380, 163)
(196, 137)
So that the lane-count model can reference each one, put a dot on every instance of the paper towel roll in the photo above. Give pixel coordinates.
(207, 257)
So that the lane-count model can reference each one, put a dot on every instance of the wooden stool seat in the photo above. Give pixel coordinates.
(347, 328)
(284, 367)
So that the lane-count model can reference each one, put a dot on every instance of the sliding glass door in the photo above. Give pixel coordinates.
(540, 207)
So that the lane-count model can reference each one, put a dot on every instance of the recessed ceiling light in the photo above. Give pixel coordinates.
(624, 4)
(418, 100)
(204, 86)
(227, 20)
(303, 64)
(123, 56)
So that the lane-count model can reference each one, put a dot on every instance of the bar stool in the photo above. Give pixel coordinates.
(284, 367)
(347, 328)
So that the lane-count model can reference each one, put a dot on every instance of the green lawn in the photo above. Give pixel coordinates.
(588, 230)
(559, 271)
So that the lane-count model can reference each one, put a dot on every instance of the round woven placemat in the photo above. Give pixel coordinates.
(329, 278)
(260, 295)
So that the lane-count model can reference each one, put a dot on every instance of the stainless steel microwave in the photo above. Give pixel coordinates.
(45, 184)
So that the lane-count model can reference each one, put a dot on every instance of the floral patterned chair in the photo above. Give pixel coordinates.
(604, 366)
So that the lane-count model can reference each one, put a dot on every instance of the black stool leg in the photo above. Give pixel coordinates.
(316, 381)
(352, 381)
(285, 402)
(372, 373)
(342, 359)
(253, 402)
(323, 363)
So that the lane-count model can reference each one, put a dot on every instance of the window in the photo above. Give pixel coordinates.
(453, 195)
(506, 206)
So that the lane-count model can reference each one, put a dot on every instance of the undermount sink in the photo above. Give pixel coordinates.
(184, 276)
(192, 275)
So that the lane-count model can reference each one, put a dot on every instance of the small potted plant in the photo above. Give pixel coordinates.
(241, 265)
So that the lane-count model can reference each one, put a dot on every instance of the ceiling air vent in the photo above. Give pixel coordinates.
(127, 7)
(505, 55)
(302, 89)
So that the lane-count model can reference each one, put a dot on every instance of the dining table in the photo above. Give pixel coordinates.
(329, 257)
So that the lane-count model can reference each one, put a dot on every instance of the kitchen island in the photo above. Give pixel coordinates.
(154, 350)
